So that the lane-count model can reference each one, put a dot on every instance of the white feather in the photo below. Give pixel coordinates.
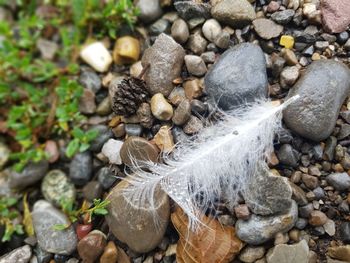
(218, 162)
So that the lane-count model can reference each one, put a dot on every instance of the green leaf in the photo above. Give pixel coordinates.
(91, 134)
(60, 227)
(78, 133)
(83, 147)
(72, 148)
(100, 211)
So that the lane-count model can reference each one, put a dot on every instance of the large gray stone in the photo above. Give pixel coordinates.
(45, 217)
(236, 13)
(296, 253)
(165, 59)
(322, 89)
(239, 76)
(272, 194)
(18, 255)
(136, 226)
(259, 229)
(340, 181)
(150, 10)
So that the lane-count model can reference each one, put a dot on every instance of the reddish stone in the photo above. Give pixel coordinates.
(273, 6)
(242, 212)
(335, 15)
(51, 149)
(83, 230)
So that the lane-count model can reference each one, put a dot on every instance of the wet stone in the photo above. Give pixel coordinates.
(92, 246)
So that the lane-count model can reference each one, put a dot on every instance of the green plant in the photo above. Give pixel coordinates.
(86, 212)
(81, 141)
(7, 215)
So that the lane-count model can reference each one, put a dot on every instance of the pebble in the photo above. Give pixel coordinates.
(208, 57)
(195, 65)
(165, 58)
(193, 125)
(329, 227)
(223, 40)
(90, 80)
(111, 149)
(161, 108)
(266, 28)
(211, 29)
(160, 26)
(126, 50)
(56, 187)
(51, 149)
(197, 43)
(144, 114)
(83, 230)
(133, 129)
(106, 177)
(31, 174)
(180, 31)
(134, 226)
(104, 108)
(18, 255)
(4, 154)
(250, 254)
(110, 253)
(97, 56)
(164, 139)
(259, 229)
(340, 252)
(192, 9)
(80, 168)
(193, 88)
(288, 156)
(317, 218)
(92, 190)
(296, 253)
(239, 73)
(47, 49)
(194, 22)
(87, 103)
(236, 13)
(177, 95)
(92, 246)
(182, 113)
(136, 69)
(150, 10)
(322, 89)
(310, 181)
(344, 231)
(287, 41)
(179, 135)
(104, 133)
(45, 216)
(272, 194)
(139, 149)
(298, 194)
(335, 15)
(340, 181)
(242, 211)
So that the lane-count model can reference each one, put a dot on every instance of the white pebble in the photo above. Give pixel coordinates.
(111, 149)
(97, 56)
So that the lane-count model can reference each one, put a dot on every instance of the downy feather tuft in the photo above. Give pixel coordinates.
(219, 162)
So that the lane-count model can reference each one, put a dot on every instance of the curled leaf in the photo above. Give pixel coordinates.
(212, 243)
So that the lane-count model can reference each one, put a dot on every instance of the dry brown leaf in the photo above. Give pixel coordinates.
(212, 244)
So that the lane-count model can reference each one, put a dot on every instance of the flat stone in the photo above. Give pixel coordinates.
(322, 89)
(136, 226)
(192, 9)
(335, 15)
(31, 174)
(165, 58)
(272, 194)
(56, 187)
(45, 217)
(340, 181)
(236, 13)
(18, 255)
(239, 76)
(266, 28)
(283, 17)
(259, 229)
(297, 253)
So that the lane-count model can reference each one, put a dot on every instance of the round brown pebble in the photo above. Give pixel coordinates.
(91, 246)
(317, 218)
(110, 254)
(139, 149)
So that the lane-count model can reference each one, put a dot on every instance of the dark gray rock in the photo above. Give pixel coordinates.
(340, 181)
(133, 129)
(42, 255)
(239, 76)
(45, 217)
(322, 89)
(160, 26)
(30, 175)
(272, 194)
(259, 229)
(344, 232)
(288, 156)
(306, 210)
(298, 194)
(150, 10)
(104, 134)
(165, 58)
(192, 9)
(90, 80)
(80, 168)
(283, 17)
(344, 131)
(106, 177)
(346, 115)
(19, 255)
(331, 143)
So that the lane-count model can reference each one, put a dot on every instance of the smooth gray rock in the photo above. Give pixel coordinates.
(283, 17)
(31, 174)
(192, 9)
(340, 181)
(288, 156)
(45, 217)
(259, 229)
(80, 168)
(272, 194)
(90, 80)
(165, 58)
(150, 10)
(322, 89)
(179, 31)
(19, 255)
(236, 13)
(238, 76)
(296, 253)
(104, 134)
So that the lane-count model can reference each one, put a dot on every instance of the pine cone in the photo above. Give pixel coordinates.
(128, 96)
